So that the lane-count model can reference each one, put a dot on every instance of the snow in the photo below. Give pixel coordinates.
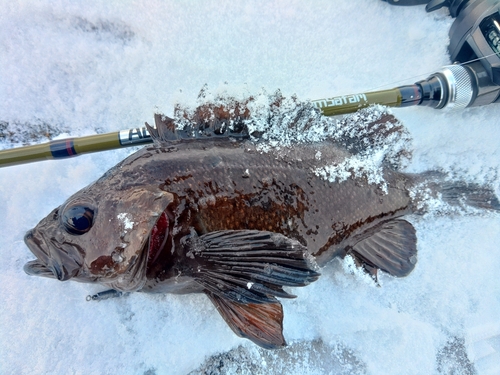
(83, 67)
(125, 220)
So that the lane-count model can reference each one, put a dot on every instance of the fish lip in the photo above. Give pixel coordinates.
(41, 266)
(37, 268)
(35, 244)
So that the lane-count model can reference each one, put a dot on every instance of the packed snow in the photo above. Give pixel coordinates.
(74, 68)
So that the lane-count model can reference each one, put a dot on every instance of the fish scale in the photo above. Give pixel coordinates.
(295, 194)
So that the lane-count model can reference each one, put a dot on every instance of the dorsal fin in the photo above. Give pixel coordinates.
(165, 128)
(280, 122)
(206, 121)
(374, 129)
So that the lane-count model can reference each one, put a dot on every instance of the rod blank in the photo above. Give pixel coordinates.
(69, 147)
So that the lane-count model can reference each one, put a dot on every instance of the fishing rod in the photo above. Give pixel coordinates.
(454, 86)
(473, 81)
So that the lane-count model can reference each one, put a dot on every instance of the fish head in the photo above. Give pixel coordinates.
(100, 234)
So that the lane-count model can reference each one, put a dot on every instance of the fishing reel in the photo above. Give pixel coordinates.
(474, 77)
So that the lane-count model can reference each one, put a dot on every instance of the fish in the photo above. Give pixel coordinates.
(213, 208)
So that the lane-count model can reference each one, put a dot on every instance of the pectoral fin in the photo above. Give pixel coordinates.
(250, 266)
(391, 246)
(261, 323)
(243, 271)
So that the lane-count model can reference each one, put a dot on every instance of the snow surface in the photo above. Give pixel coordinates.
(78, 67)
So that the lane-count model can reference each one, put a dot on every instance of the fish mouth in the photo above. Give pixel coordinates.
(37, 267)
(45, 265)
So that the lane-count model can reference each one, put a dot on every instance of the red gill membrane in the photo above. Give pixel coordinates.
(158, 237)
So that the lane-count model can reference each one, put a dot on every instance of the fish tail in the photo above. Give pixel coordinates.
(436, 192)
(470, 194)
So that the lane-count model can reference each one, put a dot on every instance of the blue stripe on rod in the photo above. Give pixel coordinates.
(63, 148)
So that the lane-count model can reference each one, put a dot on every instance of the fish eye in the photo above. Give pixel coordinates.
(78, 219)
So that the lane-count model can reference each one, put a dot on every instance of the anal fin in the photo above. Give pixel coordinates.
(367, 267)
(261, 323)
(390, 246)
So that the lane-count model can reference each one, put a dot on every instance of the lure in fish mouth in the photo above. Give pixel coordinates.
(205, 210)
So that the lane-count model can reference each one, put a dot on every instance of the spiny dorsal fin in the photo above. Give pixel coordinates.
(371, 129)
(260, 323)
(206, 121)
(165, 129)
(391, 246)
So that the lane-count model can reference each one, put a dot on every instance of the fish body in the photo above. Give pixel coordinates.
(226, 186)
(217, 215)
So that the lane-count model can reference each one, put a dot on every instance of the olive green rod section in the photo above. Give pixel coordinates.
(341, 105)
(69, 147)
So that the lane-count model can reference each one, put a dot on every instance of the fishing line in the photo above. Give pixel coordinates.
(419, 76)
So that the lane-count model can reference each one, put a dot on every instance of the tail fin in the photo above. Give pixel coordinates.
(469, 194)
(433, 189)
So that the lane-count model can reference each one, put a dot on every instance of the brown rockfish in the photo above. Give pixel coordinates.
(208, 209)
